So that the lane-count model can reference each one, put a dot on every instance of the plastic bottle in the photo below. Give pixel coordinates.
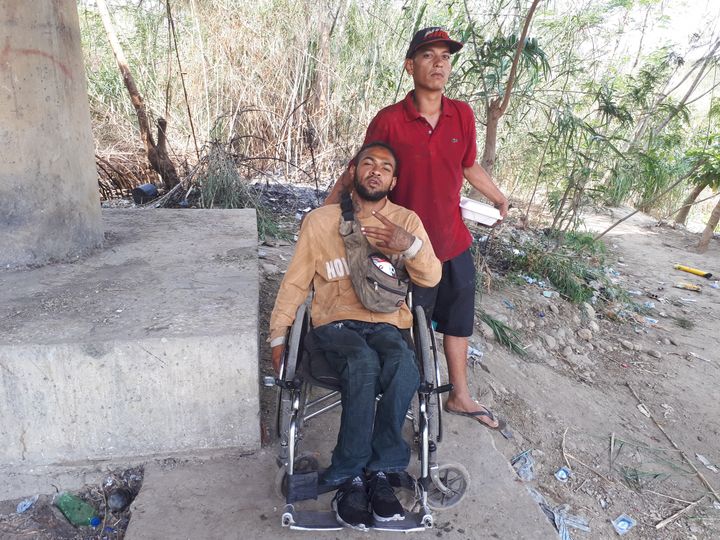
(77, 511)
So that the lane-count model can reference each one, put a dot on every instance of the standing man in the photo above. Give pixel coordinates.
(434, 138)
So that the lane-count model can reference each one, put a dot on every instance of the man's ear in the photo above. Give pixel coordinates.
(351, 170)
(409, 67)
(392, 183)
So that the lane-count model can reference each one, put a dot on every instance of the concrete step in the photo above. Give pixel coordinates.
(148, 346)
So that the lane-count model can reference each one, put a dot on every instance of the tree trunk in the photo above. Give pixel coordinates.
(497, 107)
(157, 153)
(709, 229)
(682, 215)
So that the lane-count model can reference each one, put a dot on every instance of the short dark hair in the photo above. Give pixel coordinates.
(378, 144)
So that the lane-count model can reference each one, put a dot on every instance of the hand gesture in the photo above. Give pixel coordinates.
(391, 236)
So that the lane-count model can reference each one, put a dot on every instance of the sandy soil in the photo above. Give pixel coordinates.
(571, 397)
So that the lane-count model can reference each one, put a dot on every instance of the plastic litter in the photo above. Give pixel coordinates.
(649, 305)
(705, 461)
(551, 294)
(635, 293)
(509, 304)
(524, 465)
(688, 286)
(690, 270)
(77, 511)
(529, 280)
(623, 524)
(119, 499)
(26, 504)
(559, 516)
(715, 284)
(650, 320)
(563, 474)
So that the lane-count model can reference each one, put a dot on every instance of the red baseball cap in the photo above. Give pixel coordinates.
(433, 34)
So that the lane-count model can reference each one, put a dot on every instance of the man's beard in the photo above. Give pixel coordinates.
(366, 195)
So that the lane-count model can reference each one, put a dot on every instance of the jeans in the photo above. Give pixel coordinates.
(371, 359)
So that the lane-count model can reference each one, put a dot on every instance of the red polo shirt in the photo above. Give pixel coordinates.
(430, 172)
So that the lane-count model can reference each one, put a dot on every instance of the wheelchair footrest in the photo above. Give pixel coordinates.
(301, 520)
(302, 486)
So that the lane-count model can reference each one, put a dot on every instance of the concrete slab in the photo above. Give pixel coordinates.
(232, 496)
(146, 347)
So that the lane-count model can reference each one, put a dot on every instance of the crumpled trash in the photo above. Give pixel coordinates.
(559, 516)
(524, 465)
(705, 461)
(26, 504)
(474, 355)
(509, 304)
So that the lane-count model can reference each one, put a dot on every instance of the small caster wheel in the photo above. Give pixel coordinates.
(448, 486)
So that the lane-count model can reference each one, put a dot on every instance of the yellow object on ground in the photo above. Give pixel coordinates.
(688, 286)
(695, 271)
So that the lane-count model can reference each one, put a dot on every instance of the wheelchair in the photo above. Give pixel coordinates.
(302, 376)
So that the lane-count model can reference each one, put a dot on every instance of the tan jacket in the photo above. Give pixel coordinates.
(319, 261)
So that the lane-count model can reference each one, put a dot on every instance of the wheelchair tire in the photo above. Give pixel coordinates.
(424, 349)
(288, 368)
(455, 480)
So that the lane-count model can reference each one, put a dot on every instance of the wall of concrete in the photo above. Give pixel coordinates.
(49, 202)
(146, 347)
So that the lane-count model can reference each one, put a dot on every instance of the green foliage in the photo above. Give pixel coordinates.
(566, 273)
(506, 336)
(222, 187)
(707, 159)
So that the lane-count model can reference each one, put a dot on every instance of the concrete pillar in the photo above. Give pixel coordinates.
(49, 201)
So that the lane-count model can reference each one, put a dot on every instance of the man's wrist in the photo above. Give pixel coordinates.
(280, 340)
(410, 252)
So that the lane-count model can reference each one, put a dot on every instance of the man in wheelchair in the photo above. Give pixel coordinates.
(363, 344)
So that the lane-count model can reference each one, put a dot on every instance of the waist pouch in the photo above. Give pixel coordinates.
(380, 285)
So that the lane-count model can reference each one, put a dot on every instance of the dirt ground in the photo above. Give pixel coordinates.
(592, 385)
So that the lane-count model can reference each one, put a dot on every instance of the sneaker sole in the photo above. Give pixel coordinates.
(396, 517)
(360, 527)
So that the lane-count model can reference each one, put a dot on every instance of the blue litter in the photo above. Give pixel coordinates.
(524, 465)
(563, 474)
(509, 304)
(559, 516)
(25, 505)
(623, 524)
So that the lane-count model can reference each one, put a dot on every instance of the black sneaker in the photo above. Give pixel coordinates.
(385, 505)
(351, 505)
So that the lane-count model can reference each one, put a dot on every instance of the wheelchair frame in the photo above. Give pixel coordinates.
(438, 486)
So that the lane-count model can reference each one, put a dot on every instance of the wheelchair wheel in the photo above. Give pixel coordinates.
(306, 462)
(424, 350)
(448, 487)
(287, 369)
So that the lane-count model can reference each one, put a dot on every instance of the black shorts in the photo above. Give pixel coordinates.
(451, 303)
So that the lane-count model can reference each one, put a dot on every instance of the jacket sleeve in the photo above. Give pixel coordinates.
(295, 285)
(425, 268)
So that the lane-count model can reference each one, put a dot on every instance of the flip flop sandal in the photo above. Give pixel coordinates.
(477, 414)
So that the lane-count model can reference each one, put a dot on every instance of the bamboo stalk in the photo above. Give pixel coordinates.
(687, 459)
(677, 514)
